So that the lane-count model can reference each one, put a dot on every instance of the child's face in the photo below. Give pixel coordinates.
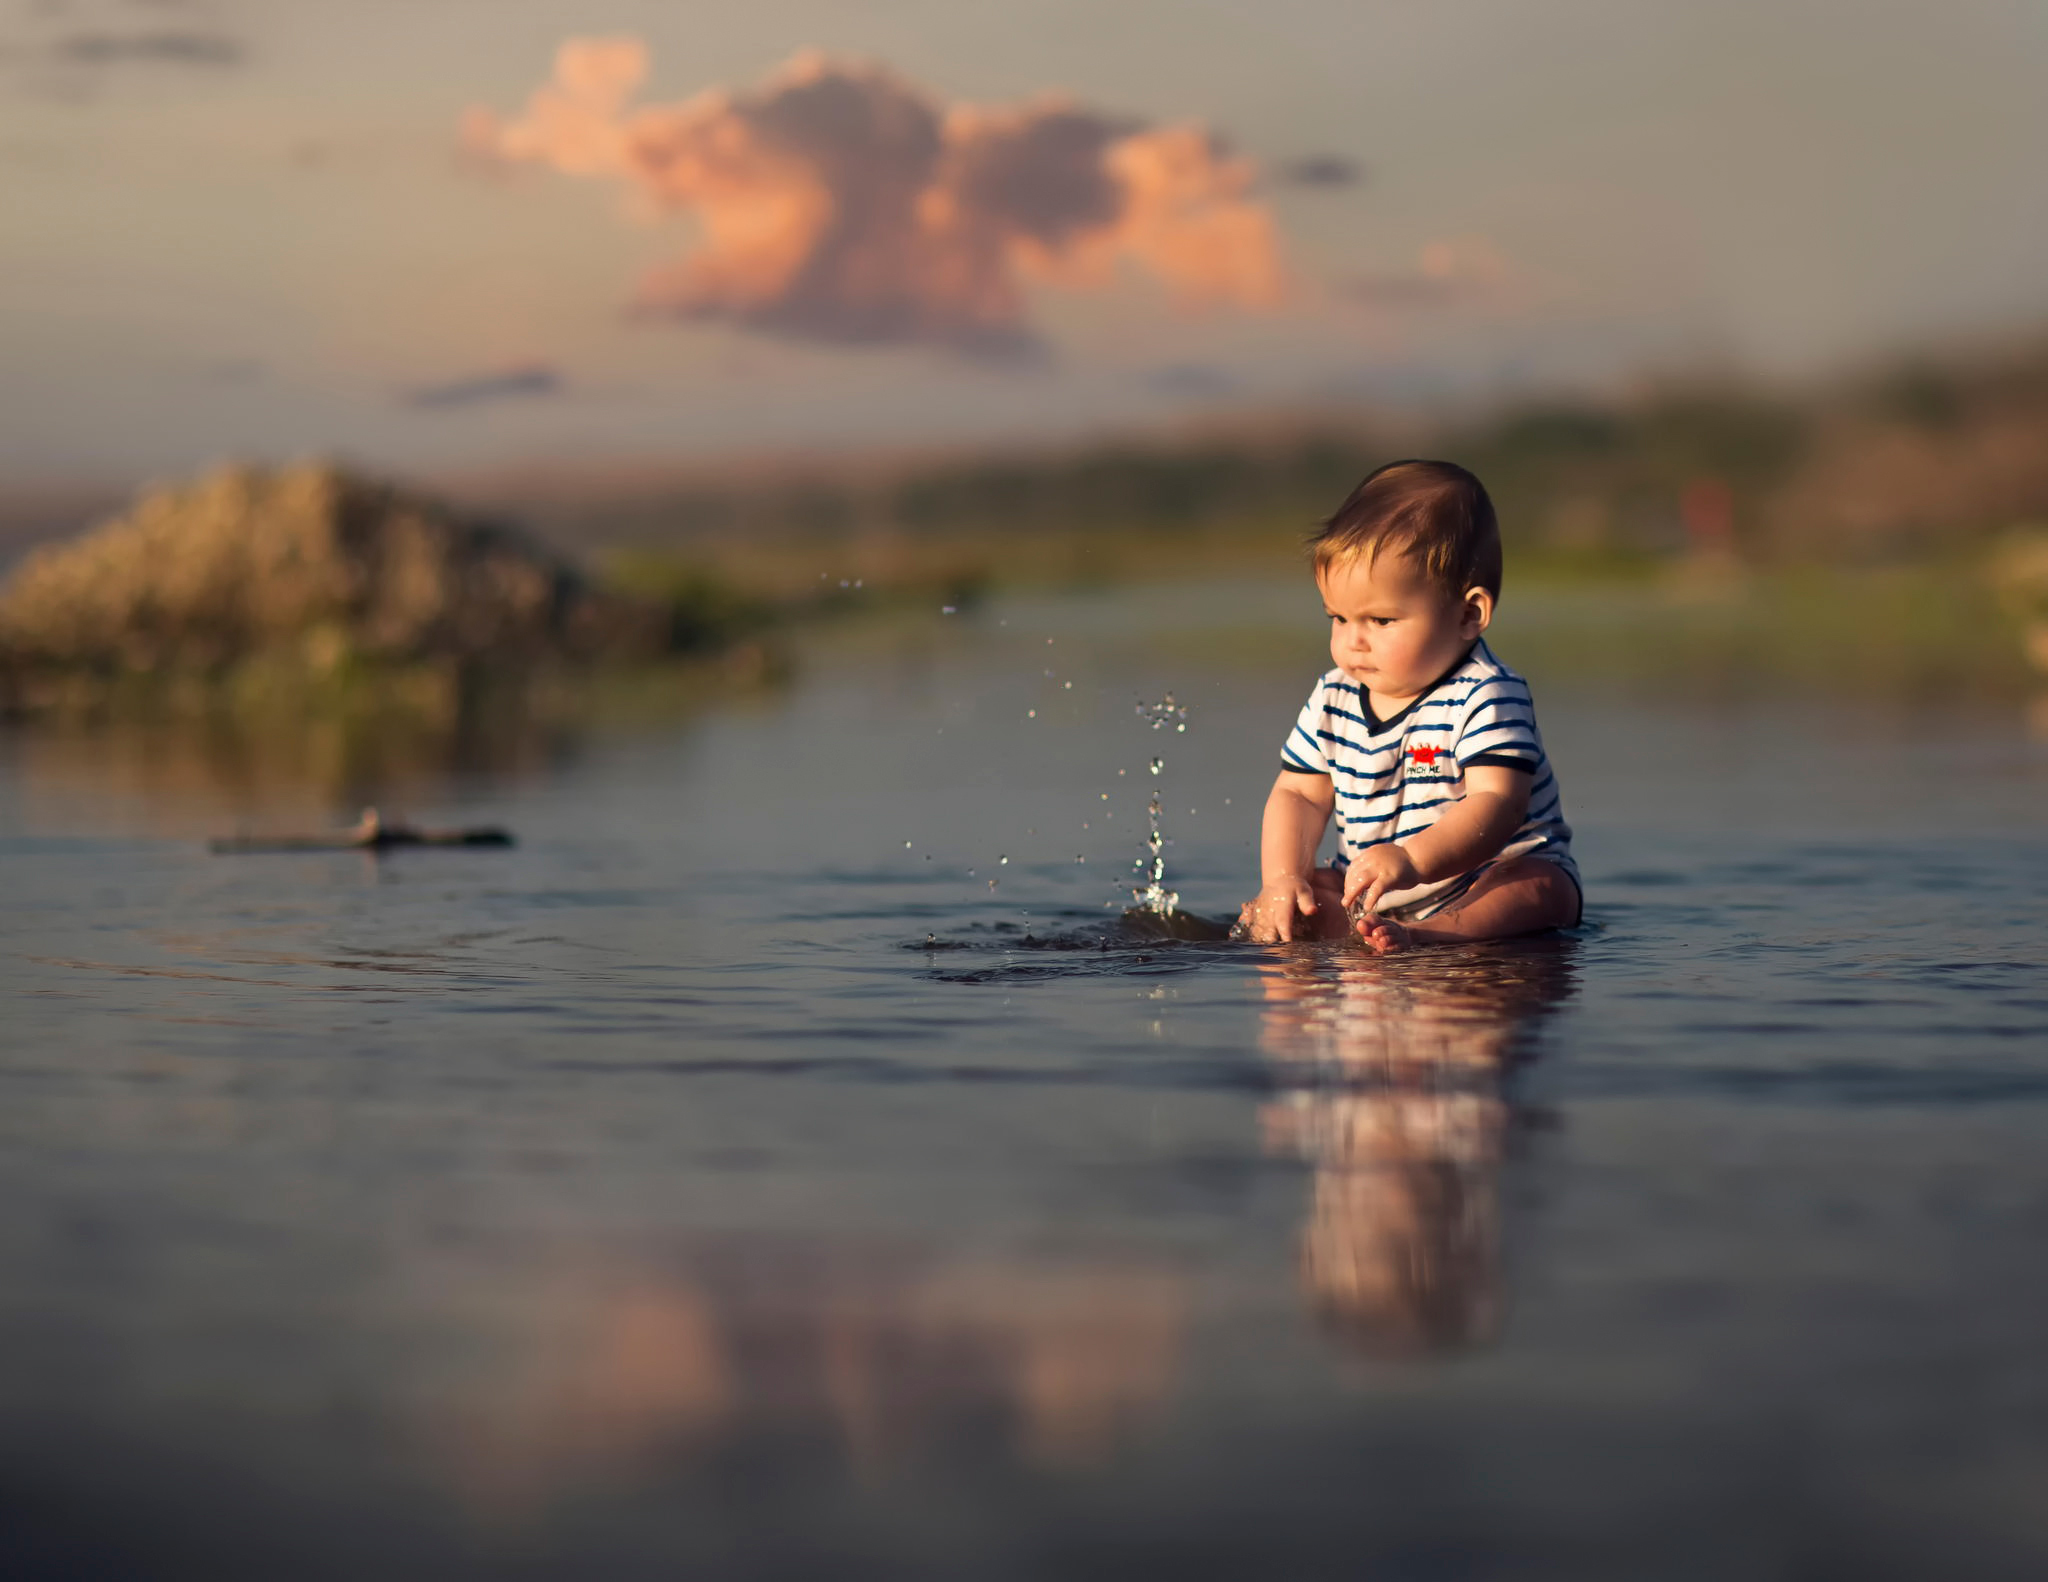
(1391, 628)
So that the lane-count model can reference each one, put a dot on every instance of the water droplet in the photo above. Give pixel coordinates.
(949, 609)
(1158, 764)
(906, 845)
(1068, 685)
(1031, 714)
(1004, 861)
(1079, 858)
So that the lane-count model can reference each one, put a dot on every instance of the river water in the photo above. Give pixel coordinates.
(786, 1162)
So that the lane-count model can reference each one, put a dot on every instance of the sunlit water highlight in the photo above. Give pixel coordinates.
(715, 1184)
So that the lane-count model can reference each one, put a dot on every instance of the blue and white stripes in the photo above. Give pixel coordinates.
(1393, 778)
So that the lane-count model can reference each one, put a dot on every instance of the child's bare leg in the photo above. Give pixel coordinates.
(1330, 921)
(1524, 895)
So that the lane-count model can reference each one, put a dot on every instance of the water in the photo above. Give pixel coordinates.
(1152, 896)
(717, 1185)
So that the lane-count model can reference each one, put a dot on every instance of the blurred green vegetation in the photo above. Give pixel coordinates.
(1922, 633)
(1763, 532)
(706, 611)
(1908, 632)
(1901, 464)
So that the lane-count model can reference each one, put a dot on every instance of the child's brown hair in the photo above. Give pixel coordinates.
(1434, 510)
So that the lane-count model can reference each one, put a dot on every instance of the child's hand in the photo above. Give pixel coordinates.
(1375, 872)
(1276, 913)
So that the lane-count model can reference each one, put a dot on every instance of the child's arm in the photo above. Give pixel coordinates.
(1496, 801)
(1297, 812)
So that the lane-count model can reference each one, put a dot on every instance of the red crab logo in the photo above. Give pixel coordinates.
(1426, 756)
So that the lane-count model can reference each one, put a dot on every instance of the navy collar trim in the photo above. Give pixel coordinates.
(1375, 725)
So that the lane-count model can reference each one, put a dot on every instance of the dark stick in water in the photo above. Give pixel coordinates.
(369, 833)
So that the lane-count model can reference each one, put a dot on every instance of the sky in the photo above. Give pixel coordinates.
(451, 235)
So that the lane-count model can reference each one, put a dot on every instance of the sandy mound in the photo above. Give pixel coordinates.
(309, 563)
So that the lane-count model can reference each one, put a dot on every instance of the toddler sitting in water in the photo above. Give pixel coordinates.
(1424, 745)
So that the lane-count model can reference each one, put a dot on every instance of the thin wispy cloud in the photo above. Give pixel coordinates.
(156, 47)
(1199, 381)
(1320, 170)
(528, 382)
(68, 46)
(842, 203)
(1461, 271)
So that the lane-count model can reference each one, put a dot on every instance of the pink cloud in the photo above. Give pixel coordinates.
(841, 203)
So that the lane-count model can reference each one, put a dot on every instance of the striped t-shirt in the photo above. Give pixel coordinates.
(1393, 778)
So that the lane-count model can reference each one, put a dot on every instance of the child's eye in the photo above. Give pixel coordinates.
(1335, 617)
(1383, 620)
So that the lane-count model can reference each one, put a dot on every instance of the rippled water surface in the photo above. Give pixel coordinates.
(785, 1161)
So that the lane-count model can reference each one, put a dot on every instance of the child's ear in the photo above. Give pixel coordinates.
(1477, 614)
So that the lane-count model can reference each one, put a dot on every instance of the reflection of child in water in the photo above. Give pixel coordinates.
(1420, 743)
(1396, 1099)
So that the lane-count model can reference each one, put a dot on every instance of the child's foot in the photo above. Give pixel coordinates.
(1383, 934)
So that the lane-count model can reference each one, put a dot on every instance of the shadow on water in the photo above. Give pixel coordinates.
(1395, 1089)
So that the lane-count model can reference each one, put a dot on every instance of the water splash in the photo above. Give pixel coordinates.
(1152, 895)
(1164, 713)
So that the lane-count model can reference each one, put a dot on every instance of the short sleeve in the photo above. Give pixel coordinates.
(1498, 727)
(1303, 753)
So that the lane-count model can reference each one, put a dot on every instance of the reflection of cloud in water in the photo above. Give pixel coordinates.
(1394, 1070)
(858, 1359)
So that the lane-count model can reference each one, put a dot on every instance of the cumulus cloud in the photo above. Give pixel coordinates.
(841, 203)
(528, 382)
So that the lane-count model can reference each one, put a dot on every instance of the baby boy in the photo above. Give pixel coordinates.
(1449, 824)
